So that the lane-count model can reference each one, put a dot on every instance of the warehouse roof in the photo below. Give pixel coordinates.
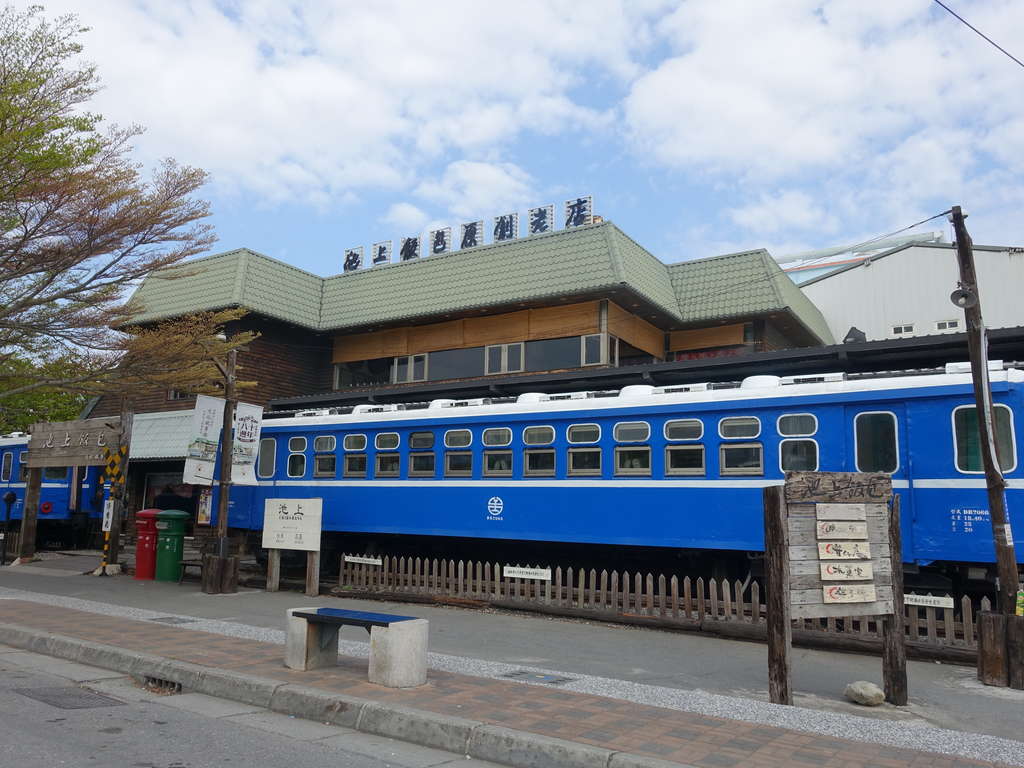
(582, 260)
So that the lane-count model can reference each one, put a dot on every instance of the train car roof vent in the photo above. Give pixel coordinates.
(314, 412)
(760, 382)
(813, 378)
(637, 390)
(384, 408)
(15, 434)
(584, 395)
(341, 410)
(702, 387)
(993, 365)
(467, 403)
(441, 402)
(531, 397)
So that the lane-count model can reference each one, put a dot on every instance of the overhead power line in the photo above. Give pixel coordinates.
(977, 31)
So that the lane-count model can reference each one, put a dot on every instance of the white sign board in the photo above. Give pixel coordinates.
(928, 601)
(108, 516)
(204, 439)
(292, 524)
(518, 572)
(246, 444)
(363, 559)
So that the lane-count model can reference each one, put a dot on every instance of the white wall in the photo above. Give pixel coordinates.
(912, 286)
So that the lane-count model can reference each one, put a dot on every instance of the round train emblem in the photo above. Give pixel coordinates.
(495, 506)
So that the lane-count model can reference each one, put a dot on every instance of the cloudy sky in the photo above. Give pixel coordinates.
(700, 127)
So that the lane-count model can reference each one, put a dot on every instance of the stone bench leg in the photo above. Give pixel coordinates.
(398, 654)
(310, 645)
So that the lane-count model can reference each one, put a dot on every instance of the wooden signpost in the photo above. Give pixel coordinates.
(293, 524)
(832, 549)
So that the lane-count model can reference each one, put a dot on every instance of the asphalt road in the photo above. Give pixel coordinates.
(129, 727)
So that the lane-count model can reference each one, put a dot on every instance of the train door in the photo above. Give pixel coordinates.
(880, 442)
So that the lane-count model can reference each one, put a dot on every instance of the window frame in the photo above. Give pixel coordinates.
(801, 438)
(739, 471)
(53, 478)
(680, 447)
(503, 366)
(433, 440)
(7, 467)
(344, 442)
(499, 473)
(448, 472)
(377, 472)
(589, 472)
(22, 466)
(305, 444)
(332, 438)
(483, 437)
(631, 472)
(413, 472)
(754, 436)
(317, 472)
(618, 424)
(905, 328)
(259, 458)
(778, 425)
(410, 366)
(459, 429)
(538, 426)
(582, 442)
(527, 472)
(946, 324)
(346, 471)
(956, 452)
(376, 441)
(664, 431)
(602, 356)
(896, 435)
(288, 466)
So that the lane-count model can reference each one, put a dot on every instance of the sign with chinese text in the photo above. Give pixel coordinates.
(353, 259)
(108, 516)
(506, 227)
(410, 248)
(541, 220)
(292, 524)
(204, 509)
(440, 240)
(381, 253)
(204, 440)
(472, 234)
(246, 444)
(80, 443)
(579, 211)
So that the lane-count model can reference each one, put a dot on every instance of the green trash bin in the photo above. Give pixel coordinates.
(170, 543)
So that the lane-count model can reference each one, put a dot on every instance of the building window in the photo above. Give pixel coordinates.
(583, 433)
(741, 459)
(296, 444)
(540, 463)
(967, 439)
(903, 329)
(633, 460)
(458, 464)
(497, 436)
(355, 465)
(296, 464)
(539, 435)
(632, 431)
(684, 460)
(421, 464)
(409, 368)
(797, 424)
(386, 441)
(553, 354)
(947, 325)
(355, 442)
(324, 443)
(325, 465)
(458, 438)
(798, 455)
(503, 358)
(421, 441)
(268, 457)
(875, 436)
(498, 463)
(387, 465)
(5, 473)
(739, 427)
(177, 394)
(584, 461)
(684, 429)
(592, 349)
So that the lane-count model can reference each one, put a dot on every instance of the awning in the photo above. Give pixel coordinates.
(160, 435)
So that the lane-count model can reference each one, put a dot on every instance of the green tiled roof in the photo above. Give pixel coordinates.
(575, 261)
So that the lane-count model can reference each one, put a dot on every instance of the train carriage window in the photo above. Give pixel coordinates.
(458, 438)
(386, 441)
(497, 436)
(324, 443)
(55, 473)
(421, 441)
(23, 466)
(798, 455)
(584, 461)
(797, 424)
(540, 462)
(684, 429)
(421, 464)
(539, 435)
(498, 463)
(684, 460)
(632, 431)
(967, 441)
(583, 433)
(355, 442)
(296, 464)
(741, 459)
(355, 465)
(268, 457)
(875, 435)
(458, 464)
(325, 465)
(739, 427)
(387, 464)
(5, 473)
(633, 461)
(296, 444)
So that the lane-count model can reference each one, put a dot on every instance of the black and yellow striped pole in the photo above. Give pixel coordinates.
(114, 474)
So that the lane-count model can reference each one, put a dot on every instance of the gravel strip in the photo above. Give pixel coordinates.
(904, 734)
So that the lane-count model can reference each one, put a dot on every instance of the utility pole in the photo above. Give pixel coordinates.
(119, 482)
(968, 298)
(226, 451)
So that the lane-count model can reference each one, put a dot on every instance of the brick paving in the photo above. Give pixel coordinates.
(700, 740)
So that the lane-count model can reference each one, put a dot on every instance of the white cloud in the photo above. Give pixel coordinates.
(470, 188)
(785, 210)
(406, 217)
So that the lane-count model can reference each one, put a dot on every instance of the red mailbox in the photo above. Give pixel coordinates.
(145, 547)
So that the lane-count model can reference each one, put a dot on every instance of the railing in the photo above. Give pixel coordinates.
(729, 608)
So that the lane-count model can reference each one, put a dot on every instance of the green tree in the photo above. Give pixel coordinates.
(19, 412)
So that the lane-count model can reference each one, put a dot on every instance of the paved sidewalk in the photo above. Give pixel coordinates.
(602, 722)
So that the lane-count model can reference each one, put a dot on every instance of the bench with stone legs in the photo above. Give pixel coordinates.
(398, 644)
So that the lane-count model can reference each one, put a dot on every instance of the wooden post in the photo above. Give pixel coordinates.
(119, 484)
(992, 668)
(894, 648)
(27, 542)
(780, 631)
(213, 574)
(1015, 651)
(312, 574)
(274, 570)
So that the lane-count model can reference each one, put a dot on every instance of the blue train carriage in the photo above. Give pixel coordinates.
(57, 524)
(669, 467)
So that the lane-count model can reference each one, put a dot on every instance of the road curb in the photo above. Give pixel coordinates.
(521, 749)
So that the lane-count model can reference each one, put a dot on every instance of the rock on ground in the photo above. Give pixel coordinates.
(863, 692)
